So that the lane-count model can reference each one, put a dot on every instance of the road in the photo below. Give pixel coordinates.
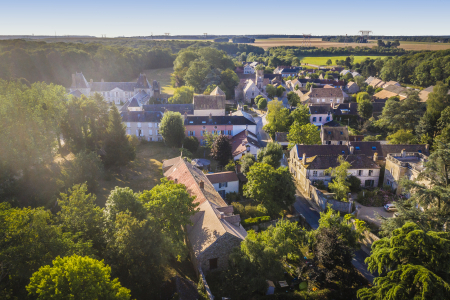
(312, 216)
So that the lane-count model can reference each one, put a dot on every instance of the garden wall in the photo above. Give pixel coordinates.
(321, 200)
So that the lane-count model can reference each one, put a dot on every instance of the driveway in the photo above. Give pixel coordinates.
(369, 214)
(312, 216)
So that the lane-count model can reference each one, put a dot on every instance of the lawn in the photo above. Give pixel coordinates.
(163, 77)
(322, 60)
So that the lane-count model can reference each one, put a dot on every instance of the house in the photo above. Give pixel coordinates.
(311, 169)
(334, 135)
(250, 68)
(215, 230)
(386, 94)
(320, 114)
(344, 72)
(281, 138)
(401, 165)
(342, 111)
(205, 105)
(289, 72)
(143, 124)
(399, 90)
(330, 95)
(377, 83)
(352, 88)
(382, 150)
(423, 94)
(355, 74)
(243, 143)
(112, 92)
(389, 83)
(199, 126)
(369, 80)
(251, 91)
(224, 182)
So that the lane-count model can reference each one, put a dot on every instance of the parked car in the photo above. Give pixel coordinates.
(390, 207)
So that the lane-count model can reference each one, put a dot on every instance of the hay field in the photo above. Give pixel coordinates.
(322, 60)
(163, 77)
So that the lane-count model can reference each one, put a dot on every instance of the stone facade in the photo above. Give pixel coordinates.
(220, 251)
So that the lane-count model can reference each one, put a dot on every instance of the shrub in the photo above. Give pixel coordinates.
(232, 197)
(255, 221)
(134, 141)
(262, 104)
(262, 209)
(231, 166)
(376, 198)
(191, 143)
(355, 183)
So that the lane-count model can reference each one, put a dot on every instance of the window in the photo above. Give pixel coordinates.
(150, 139)
(314, 119)
(374, 148)
(343, 152)
(370, 172)
(357, 148)
(340, 142)
(223, 184)
(213, 263)
(328, 142)
(128, 131)
(139, 124)
(315, 173)
(360, 172)
(337, 100)
(329, 132)
(156, 125)
(128, 124)
(150, 132)
(420, 151)
(320, 119)
(191, 133)
(191, 122)
(229, 132)
(328, 119)
(323, 100)
(150, 125)
(203, 122)
(157, 131)
(388, 182)
(342, 133)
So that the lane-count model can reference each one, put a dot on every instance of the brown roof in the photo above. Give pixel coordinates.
(355, 138)
(281, 137)
(240, 140)
(328, 87)
(322, 162)
(384, 94)
(168, 163)
(312, 150)
(328, 92)
(377, 83)
(396, 89)
(217, 91)
(205, 102)
(423, 95)
(370, 148)
(334, 133)
(222, 177)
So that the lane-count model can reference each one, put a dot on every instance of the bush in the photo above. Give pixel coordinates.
(134, 141)
(231, 166)
(191, 143)
(376, 198)
(355, 183)
(255, 221)
(232, 197)
(262, 104)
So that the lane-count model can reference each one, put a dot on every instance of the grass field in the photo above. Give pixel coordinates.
(322, 60)
(163, 76)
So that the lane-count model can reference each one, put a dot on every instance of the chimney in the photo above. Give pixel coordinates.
(352, 149)
(304, 158)
(403, 153)
(102, 80)
(375, 157)
(202, 185)
(176, 180)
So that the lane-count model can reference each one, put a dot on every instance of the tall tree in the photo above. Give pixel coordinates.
(182, 95)
(277, 118)
(247, 161)
(229, 80)
(172, 129)
(271, 154)
(340, 186)
(196, 74)
(365, 109)
(402, 137)
(300, 115)
(119, 150)
(293, 99)
(303, 134)
(84, 168)
(76, 277)
(221, 150)
(122, 200)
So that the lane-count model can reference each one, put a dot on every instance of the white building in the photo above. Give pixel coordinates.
(321, 114)
(244, 142)
(143, 124)
(224, 182)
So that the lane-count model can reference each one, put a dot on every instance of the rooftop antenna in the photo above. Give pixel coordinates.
(364, 36)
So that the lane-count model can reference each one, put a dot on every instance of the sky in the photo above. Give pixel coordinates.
(142, 18)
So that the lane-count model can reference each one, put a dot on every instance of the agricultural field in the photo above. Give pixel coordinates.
(322, 60)
(267, 43)
(163, 77)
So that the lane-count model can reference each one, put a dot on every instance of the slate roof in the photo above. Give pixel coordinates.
(181, 108)
(141, 116)
(142, 82)
(320, 109)
(312, 150)
(395, 89)
(343, 109)
(228, 176)
(217, 120)
(334, 133)
(370, 148)
(76, 93)
(289, 71)
(78, 81)
(240, 140)
(322, 162)
(281, 137)
(332, 123)
(133, 103)
(217, 92)
(207, 226)
(206, 102)
(108, 86)
(142, 96)
(330, 82)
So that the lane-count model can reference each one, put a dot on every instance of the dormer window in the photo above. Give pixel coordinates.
(357, 148)
(191, 122)
(203, 122)
(374, 148)
(342, 133)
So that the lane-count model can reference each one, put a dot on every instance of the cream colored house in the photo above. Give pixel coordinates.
(143, 124)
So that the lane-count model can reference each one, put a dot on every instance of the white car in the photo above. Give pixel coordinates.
(390, 207)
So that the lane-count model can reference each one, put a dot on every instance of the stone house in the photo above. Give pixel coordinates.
(224, 182)
(328, 95)
(143, 124)
(251, 91)
(403, 164)
(112, 92)
(320, 114)
(215, 230)
(334, 135)
(352, 88)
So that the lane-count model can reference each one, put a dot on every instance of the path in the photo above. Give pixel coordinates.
(312, 216)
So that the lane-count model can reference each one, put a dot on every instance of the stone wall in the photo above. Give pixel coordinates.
(220, 249)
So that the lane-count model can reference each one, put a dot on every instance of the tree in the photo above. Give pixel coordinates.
(262, 104)
(184, 94)
(170, 206)
(272, 188)
(84, 168)
(280, 90)
(271, 91)
(118, 149)
(76, 277)
(363, 96)
(229, 80)
(258, 98)
(196, 75)
(123, 200)
(293, 98)
(310, 85)
(271, 154)
(209, 89)
(402, 137)
(329, 62)
(300, 115)
(303, 134)
(191, 143)
(371, 138)
(172, 128)
(247, 161)
(277, 118)
(221, 150)
(413, 264)
(365, 109)
(340, 185)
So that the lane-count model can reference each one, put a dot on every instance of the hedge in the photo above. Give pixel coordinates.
(254, 221)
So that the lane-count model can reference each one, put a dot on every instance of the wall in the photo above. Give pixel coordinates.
(233, 186)
(323, 120)
(220, 249)
(207, 112)
(145, 130)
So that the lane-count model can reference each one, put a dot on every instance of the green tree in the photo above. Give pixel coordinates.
(271, 154)
(221, 150)
(118, 149)
(196, 75)
(76, 277)
(85, 167)
(300, 115)
(170, 206)
(182, 95)
(229, 80)
(413, 264)
(172, 128)
(259, 97)
(123, 200)
(277, 118)
(329, 62)
(365, 109)
(303, 134)
(363, 96)
(340, 186)
(262, 104)
(293, 99)
(371, 138)
(280, 90)
(271, 91)
(191, 143)
(247, 161)
(209, 89)
(402, 137)
(310, 85)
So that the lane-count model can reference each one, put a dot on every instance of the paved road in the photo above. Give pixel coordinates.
(312, 216)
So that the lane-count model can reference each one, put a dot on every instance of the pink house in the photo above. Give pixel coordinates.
(198, 126)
